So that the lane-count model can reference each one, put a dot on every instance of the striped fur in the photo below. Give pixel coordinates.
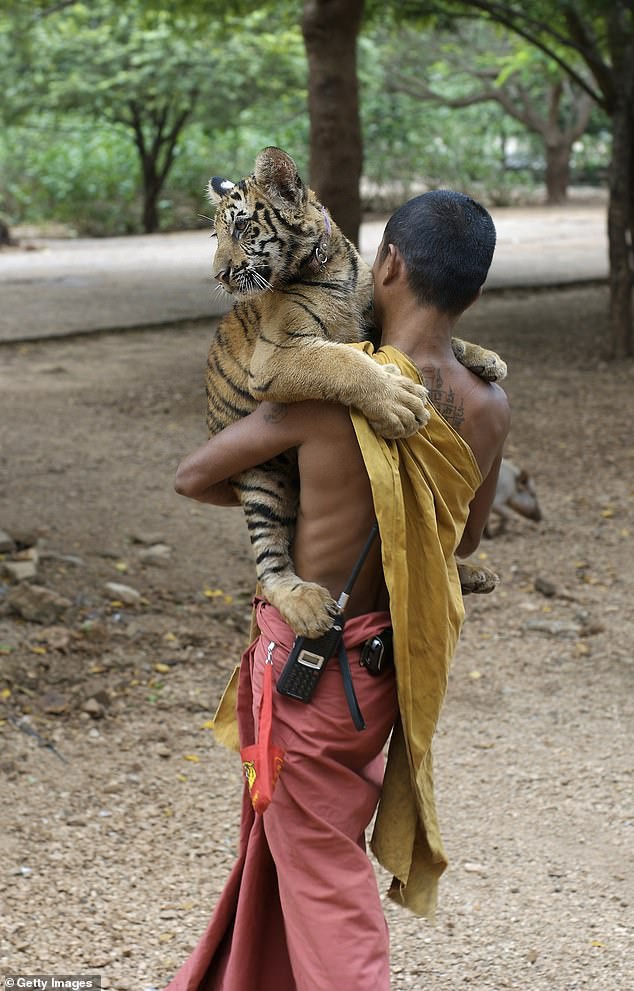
(301, 293)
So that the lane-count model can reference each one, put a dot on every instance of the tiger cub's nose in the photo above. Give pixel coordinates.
(223, 275)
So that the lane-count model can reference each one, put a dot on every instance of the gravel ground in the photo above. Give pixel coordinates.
(113, 857)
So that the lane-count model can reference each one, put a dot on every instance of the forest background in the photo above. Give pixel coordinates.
(115, 114)
(108, 104)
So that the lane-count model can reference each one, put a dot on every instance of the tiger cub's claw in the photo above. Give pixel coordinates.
(308, 608)
(401, 410)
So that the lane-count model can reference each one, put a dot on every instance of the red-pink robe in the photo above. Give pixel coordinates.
(301, 909)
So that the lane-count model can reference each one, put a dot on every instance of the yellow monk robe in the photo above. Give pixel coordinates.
(422, 488)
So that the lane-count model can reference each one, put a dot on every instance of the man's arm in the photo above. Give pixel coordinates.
(206, 473)
(479, 510)
(489, 427)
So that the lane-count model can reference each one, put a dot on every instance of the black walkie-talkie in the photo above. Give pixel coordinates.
(308, 658)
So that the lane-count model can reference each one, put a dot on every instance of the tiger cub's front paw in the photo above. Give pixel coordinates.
(308, 608)
(485, 364)
(401, 409)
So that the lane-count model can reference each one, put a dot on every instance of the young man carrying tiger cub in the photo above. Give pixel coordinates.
(301, 911)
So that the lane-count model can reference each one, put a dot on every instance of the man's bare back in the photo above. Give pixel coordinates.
(336, 511)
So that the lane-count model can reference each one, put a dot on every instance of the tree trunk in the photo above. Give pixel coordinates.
(330, 29)
(5, 234)
(151, 191)
(557, 172)
(620, 233)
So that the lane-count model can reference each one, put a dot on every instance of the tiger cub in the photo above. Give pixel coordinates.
(302, 292)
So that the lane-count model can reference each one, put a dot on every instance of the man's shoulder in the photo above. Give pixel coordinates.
(488, 403)
(492, 401)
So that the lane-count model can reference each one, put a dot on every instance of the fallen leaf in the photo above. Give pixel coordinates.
(209, 724)
(192, 757)
(162, 668)
(121, 566)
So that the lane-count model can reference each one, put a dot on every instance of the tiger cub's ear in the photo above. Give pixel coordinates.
(217, 187)
(277, 175)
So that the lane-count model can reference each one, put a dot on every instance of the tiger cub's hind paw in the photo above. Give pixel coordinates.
(308, 608)
(477, 579)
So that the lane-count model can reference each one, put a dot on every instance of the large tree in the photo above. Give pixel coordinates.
(599, 35)
(139, 70)
(331, 29)
(474, 64)
(144, 70)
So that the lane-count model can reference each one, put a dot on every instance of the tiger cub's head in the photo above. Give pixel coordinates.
(270, 227)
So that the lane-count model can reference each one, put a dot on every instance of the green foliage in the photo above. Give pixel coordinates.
(87, 87)
(67, 172)
(73, 81)
(409, 142)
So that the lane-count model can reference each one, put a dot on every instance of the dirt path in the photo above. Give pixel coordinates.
(81, 285)
(113, 860)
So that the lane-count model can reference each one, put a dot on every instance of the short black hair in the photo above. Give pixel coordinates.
(447, 241)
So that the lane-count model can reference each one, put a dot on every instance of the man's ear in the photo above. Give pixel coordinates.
(393, 264)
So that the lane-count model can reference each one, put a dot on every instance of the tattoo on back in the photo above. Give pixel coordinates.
(445, 400)
(275, 412)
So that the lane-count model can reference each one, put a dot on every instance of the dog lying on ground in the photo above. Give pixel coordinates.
(515, 493)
